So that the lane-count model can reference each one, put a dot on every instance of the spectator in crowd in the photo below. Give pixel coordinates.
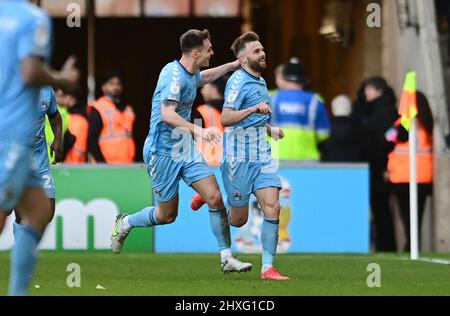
(75, 152)
(398, 164)
(279, 80)
(210, 114)
(345, 138)
(376, 112)
(111, 121)
(301, 114)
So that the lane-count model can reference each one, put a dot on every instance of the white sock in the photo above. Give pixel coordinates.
(126, 224)
(266, 267)
(225, 254)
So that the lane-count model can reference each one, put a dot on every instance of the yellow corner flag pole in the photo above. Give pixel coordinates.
(408, 111)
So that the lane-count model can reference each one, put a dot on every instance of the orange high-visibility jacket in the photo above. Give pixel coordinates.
(212, 118)
(398, 164)
(79, 127)
(116, 141)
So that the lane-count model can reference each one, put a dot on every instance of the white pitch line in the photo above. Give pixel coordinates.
(437, 261)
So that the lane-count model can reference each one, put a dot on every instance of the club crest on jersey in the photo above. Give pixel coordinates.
(237, 196)
(232, 96)
(175, 88)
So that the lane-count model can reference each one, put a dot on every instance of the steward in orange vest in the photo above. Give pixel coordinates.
(78, 127)
(210, 114)
(211, 118)
(398, 163)
(111, 126)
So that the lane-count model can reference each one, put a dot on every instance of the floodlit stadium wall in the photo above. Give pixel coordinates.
(325, 209)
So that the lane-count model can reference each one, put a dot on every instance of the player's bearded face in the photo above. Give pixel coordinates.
(257, 57)
(257, 64)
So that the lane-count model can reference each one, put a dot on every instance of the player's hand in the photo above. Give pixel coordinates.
(276, 133)
(56, 150)
(261, 108)
(70, 74)
(236, 65)
(212, 135)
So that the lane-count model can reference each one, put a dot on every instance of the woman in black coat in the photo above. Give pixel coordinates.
(375, 111)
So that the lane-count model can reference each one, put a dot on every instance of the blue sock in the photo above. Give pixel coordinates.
(144, 218)
(269, 240)
(16, 227)
(220, 227)
(228, 208)
(23, 260)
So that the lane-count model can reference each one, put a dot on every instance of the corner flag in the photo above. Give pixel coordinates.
(408, 103)
(408, 111)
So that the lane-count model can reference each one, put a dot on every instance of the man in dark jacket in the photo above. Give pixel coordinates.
(376, 112)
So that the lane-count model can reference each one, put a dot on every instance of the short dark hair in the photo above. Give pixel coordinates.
(377, 82)
(110, 74)
(241, 41)
(294, 71)
(193, 39)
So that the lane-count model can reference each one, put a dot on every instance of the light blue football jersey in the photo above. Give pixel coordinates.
(247, 139)
(175, 84)
(25, 31)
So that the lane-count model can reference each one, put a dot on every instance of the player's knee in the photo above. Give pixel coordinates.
(37, 211)
(214, 200)
(238, 224)
(168, 219)
(273, 209)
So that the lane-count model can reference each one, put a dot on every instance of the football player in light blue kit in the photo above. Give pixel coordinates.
(47, 107)
(170, 152)
(25, 36)
(247, 167)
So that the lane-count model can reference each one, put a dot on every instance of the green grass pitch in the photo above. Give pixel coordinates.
(199, 275)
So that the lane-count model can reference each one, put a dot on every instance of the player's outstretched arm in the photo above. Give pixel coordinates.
(171, 117)
(36, 73)
(211, 75)
(232, 117)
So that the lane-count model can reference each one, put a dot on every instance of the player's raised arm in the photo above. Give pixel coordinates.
(232, 117)
(36, 73)
(213, 74)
